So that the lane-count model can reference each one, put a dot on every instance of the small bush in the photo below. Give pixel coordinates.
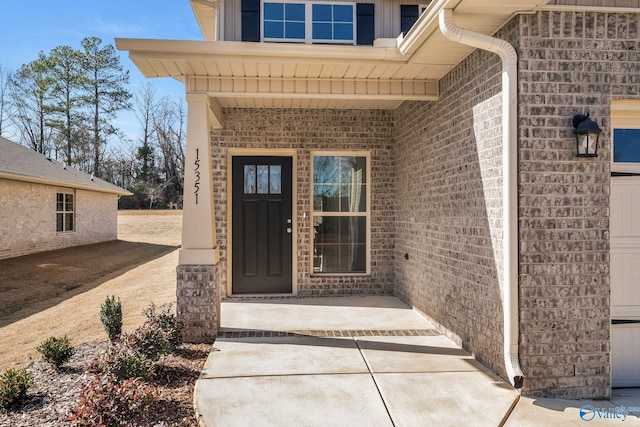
(123, 362)
(105, 401)
(111, 317)
(14, 384)
(148, 340)
(168, 322)
(56, 351)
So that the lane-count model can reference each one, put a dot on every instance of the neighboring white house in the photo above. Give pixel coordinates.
(424, 149)
(49, 205)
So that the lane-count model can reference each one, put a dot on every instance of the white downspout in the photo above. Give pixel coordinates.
(510, 180)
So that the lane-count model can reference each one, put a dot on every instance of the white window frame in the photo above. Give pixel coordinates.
(366, 214)
(64, 212)
(308, 23)
(624, 115)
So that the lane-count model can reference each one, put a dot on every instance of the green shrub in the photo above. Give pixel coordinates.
(105, 401)
(168, 322)
(56, 351)
(123, 362)
(148, 340)
(111, 317)
(14, 384)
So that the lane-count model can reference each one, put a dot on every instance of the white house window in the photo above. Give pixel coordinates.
(65, 207)
(332, 22)
(284, 21)
(625, 123)
(308, 22)
(340, 213)
(626, 145)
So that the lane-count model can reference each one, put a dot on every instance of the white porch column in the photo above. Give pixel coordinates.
(197, 291)
(198, 225)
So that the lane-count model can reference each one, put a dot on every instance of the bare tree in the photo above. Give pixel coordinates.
(144, 109)
(5, 111)
(169, 123)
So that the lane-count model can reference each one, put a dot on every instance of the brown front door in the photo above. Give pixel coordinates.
(262, 227)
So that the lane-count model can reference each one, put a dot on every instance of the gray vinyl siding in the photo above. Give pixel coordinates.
(387, 18)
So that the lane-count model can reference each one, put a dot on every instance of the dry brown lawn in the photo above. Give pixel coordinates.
(60, 292)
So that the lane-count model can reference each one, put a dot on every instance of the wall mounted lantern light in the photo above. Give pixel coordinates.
(587, 134)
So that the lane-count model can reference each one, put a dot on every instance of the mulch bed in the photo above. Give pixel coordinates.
(54, 394)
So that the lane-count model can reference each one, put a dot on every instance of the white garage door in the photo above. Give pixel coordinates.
(625, 281)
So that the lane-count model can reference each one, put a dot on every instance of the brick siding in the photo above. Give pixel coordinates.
(29, 218)
(198, 302)
(570, 63)
(448, 259)
(304, 131)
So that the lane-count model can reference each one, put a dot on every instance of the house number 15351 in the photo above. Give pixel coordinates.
(196, 184)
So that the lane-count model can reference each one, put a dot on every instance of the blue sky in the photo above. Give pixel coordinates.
(29, 27)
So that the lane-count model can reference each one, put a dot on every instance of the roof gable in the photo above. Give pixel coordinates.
(23, 164)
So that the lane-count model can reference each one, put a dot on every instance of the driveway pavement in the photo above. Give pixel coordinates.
(361, 361)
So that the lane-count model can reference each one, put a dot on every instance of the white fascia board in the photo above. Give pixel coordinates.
(55, 183)
(208, 50)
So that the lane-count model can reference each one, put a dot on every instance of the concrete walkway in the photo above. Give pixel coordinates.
(359, 361)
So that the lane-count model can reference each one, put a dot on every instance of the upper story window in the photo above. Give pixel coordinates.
(308, 22)
(65, 208)
(409, 14)
(625, 121)
(284, 21)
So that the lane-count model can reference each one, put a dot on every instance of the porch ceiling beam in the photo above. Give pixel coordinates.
(216, 117)
(240, 87)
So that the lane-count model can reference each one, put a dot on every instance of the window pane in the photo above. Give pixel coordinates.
(342, 13)
(249, 179)
(263, 179)
(294, 30)
(626, 145)
(340, 244)
(274, 11)
(275, 178)
(273, 30)
(294, 12)
(68, 202)
(343, 32)
(339, 184)
(322, 31)
(68, 222)
(322, 12)
(60, 222)
(326, 197)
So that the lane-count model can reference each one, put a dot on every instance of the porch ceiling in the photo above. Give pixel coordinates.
(240, 74)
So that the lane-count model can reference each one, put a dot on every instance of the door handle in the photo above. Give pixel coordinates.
(289, 230)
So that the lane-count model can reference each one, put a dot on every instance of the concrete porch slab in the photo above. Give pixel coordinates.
(533, 412)
(296, 355)
(346, 373)
(301, 400)
(446, 398)
(416, 354)
(339, 313)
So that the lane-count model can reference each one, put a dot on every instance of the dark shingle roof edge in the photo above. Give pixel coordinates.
(23, 164)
